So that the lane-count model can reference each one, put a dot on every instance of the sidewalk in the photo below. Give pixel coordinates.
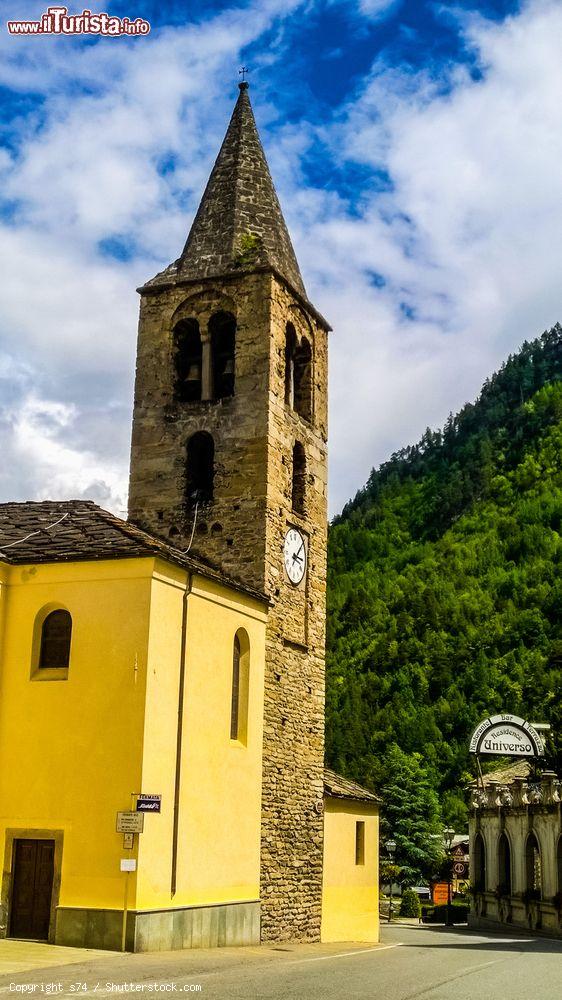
(22, 956)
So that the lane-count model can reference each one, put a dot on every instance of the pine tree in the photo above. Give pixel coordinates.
(411, 816)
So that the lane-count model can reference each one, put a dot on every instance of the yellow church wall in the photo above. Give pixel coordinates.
(154, 853)
(70, 750)
(3, 601)
(350, 891)
(220, 815)
(74, 750)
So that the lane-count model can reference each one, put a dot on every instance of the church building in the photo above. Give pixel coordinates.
(174, 662)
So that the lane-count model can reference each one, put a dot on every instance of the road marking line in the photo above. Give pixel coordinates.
(461, 974)
(346, 954)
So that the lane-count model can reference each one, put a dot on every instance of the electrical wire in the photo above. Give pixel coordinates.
(193, 528)
(20, 541)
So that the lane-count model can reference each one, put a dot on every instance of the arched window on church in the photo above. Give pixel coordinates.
(504, 864)
(479, 863)
(188, 360)
(298, 490)
(533, 866)
(200, 469)
(240, 687)
(222, 327)
(56, 634)
(290, 351)
(303, 380)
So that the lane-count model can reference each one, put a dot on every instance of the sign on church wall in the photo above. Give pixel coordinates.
(506, 736)
(130, 822)
(149, 803)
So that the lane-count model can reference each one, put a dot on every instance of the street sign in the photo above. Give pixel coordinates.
(460, 869)
(130, 822)
(149, 803)
(440, 893)
(128, 865)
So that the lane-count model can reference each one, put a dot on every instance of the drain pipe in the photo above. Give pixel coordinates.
(179, 736)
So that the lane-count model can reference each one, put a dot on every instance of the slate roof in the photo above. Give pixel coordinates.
(505, 775)
(337, 787)
(239, 226)
(52, 531)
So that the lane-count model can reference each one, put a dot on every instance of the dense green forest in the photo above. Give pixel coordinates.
(444, 589)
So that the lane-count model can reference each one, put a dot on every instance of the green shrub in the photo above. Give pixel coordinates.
(410, 904)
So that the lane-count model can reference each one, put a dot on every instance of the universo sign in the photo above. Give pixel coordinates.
(507, 736)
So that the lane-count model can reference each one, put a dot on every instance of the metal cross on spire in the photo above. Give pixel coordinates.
(243, 72)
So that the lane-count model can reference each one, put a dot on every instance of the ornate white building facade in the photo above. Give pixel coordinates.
(516, 850)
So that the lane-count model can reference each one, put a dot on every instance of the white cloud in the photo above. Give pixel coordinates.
(378, 8)
(374, 10)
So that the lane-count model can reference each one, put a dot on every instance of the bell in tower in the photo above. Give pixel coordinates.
(229, 459)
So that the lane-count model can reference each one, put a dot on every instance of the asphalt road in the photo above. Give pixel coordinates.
(414, 963)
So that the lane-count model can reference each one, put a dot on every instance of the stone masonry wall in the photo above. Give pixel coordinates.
(292, 823)
(227, 531)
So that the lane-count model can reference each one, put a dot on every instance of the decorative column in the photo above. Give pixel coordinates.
(206, 366)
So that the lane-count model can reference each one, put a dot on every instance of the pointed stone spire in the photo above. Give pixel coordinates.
(239, 225)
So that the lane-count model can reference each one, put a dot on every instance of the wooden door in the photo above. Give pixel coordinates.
(32, 889)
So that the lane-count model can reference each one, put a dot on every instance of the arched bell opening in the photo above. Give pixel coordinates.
(188, 360)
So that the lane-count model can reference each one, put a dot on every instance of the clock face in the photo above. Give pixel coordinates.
(294, 555)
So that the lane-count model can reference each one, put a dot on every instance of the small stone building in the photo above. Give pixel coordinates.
(516, 850)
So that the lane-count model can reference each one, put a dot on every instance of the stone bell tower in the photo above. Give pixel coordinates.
(229, 458)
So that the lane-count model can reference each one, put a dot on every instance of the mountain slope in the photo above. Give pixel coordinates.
(444, 590)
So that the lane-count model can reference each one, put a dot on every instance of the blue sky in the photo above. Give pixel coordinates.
(415, 147)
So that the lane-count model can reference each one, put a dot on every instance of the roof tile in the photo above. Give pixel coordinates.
(48, 531)
(342, 788)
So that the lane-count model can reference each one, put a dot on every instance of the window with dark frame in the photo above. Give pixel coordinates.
(533, 865)
(240, 691)
(303, 380)
(235, 704)
(200, 472)
(479, 863)
(188, 360)
(290, 350)
(222, 327)
(504, 864)
(360, 842)
(56, 633)
(298, 488)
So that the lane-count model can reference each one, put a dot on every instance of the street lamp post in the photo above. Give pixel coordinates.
(390, 849)
(448, 835)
